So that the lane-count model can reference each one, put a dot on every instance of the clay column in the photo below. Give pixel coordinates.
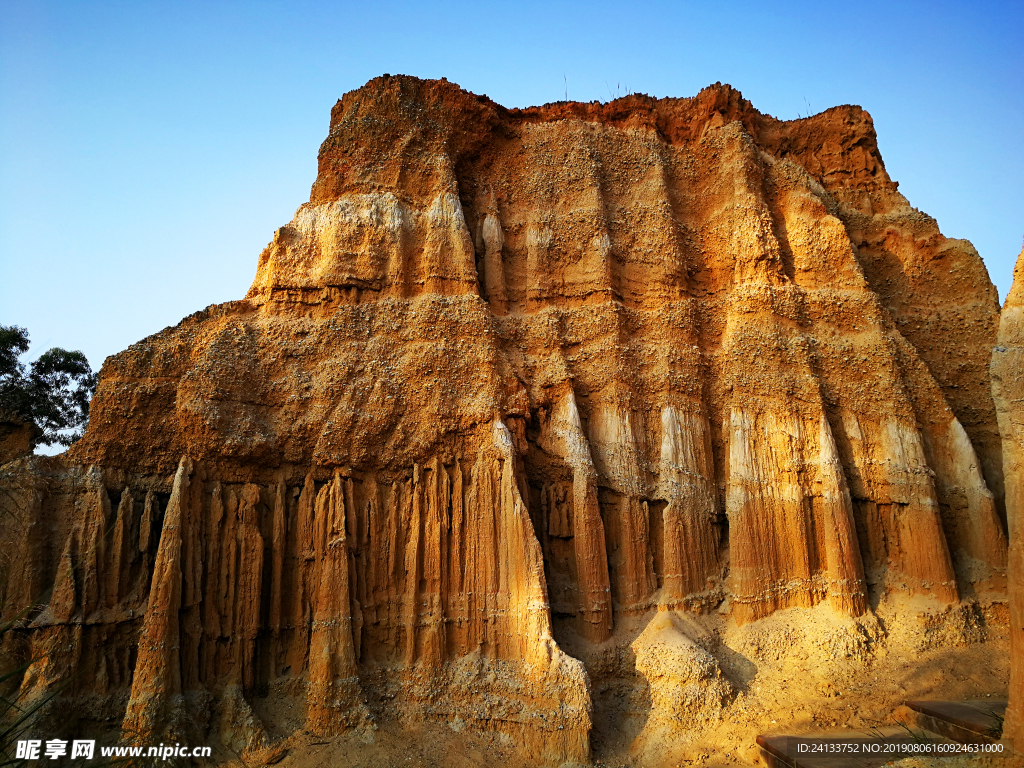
(1008, 391)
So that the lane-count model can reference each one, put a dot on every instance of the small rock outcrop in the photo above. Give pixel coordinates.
(15, 437)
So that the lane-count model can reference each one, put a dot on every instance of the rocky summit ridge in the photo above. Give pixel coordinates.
(510, 384)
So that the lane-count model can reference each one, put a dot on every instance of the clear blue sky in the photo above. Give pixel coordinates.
(149, 150)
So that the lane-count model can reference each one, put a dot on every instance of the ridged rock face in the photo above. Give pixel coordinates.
(1008, 392)
(511, 376)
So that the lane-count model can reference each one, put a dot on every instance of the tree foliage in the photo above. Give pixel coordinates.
(52, 392)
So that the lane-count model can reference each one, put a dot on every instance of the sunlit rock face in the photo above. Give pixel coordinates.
(1008, 393)
(514, 376)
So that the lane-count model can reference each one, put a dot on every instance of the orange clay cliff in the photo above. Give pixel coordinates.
(592, 429)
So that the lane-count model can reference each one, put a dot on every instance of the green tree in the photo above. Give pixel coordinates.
(53, 392)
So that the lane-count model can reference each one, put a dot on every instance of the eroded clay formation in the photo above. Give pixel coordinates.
(512, 376)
